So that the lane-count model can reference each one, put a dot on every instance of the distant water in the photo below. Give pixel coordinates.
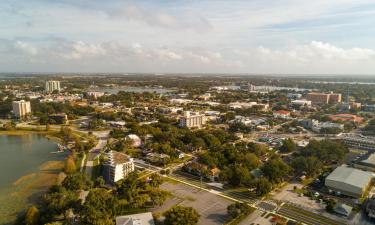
(22, 155)
(133, 89)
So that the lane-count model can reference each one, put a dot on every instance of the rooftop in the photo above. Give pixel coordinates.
(351, 176)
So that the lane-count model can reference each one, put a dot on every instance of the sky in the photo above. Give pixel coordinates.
(188, 36)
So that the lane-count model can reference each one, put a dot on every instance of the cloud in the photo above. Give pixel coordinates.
(25, 48)
(158, 18)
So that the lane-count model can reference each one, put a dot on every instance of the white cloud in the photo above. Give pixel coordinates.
(25, 48)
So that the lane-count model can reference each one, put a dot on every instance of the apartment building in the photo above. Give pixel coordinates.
(323, 98)
(190, 121)
(118, 166)
(21, 108)
(52, 85)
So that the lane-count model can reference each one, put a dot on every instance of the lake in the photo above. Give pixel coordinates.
(27, 168)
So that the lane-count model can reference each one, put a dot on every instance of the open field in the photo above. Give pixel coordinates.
(212, 208)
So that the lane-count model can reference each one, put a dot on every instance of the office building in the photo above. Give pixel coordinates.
(52, 85)
(21, 108)
(118, 166)
(190, 121)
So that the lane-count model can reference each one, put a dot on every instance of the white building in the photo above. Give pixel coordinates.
(118, 166)
(301, 102)
(349, 181)
(95, 94)
(52, 85)
(191, 121)
(21, 108)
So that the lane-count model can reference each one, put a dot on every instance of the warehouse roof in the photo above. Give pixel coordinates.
(351, 176)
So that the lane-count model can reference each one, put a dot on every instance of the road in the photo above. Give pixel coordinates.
(102, 137)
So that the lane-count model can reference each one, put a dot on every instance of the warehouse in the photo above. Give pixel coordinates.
(349, 181)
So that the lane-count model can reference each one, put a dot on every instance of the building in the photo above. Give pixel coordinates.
(52, 85)
(343, 209)
(136, 219)
(21, 108)
(95, 94)
(366, 163)
(327, 126)
(301, 103)
(294, 95)
(60, 118)
(346, 118)
(323, 98)
(117, 166)
(358, 141)
(281, 114)
(190, 121)
(349, 181)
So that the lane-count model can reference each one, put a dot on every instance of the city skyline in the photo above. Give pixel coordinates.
(279, 37)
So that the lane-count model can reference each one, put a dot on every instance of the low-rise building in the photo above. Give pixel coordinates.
(60, 118)
(118, 166)
(301, 102)
(358, 141)
(366, 163)
(281, 114)
(349, 181)
(136, 141)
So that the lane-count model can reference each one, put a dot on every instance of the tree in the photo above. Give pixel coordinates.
(236, 209)
(180, 215)
(288, 146)
(275, 170)
(99, 208)
(32, 216)
(262, 186)
(70, 165)
(310, 165)
(77, 181)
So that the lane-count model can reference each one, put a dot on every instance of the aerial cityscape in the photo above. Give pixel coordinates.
(187, 112)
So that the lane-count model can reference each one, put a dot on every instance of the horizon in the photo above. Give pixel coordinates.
(205, 37)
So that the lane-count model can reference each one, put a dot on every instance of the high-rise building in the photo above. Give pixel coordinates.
(52, 85)
(21, 108)
(118, 166)
(323, 98)
(190, 121)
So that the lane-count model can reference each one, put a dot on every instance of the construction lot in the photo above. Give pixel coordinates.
(212, 208)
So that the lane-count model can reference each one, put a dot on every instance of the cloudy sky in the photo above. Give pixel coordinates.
(188, 36)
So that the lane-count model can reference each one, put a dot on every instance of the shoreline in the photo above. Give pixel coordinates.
(27, 189)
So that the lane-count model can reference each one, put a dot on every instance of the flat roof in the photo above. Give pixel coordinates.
(351, 176)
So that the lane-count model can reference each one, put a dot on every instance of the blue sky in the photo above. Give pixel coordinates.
(210, 36)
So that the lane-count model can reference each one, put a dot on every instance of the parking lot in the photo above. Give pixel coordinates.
(212, 208)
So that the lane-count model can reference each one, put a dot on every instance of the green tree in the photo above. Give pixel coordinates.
(288, 146)
(262, 186)
(275, 170)
(180, 215)
(32, 216)
(77, 181)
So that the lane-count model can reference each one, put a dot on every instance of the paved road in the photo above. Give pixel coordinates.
(94, 152)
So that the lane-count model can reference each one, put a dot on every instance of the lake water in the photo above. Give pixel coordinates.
(26, 169)
(133, 89)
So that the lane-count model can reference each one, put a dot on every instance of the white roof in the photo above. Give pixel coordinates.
(351, 176)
